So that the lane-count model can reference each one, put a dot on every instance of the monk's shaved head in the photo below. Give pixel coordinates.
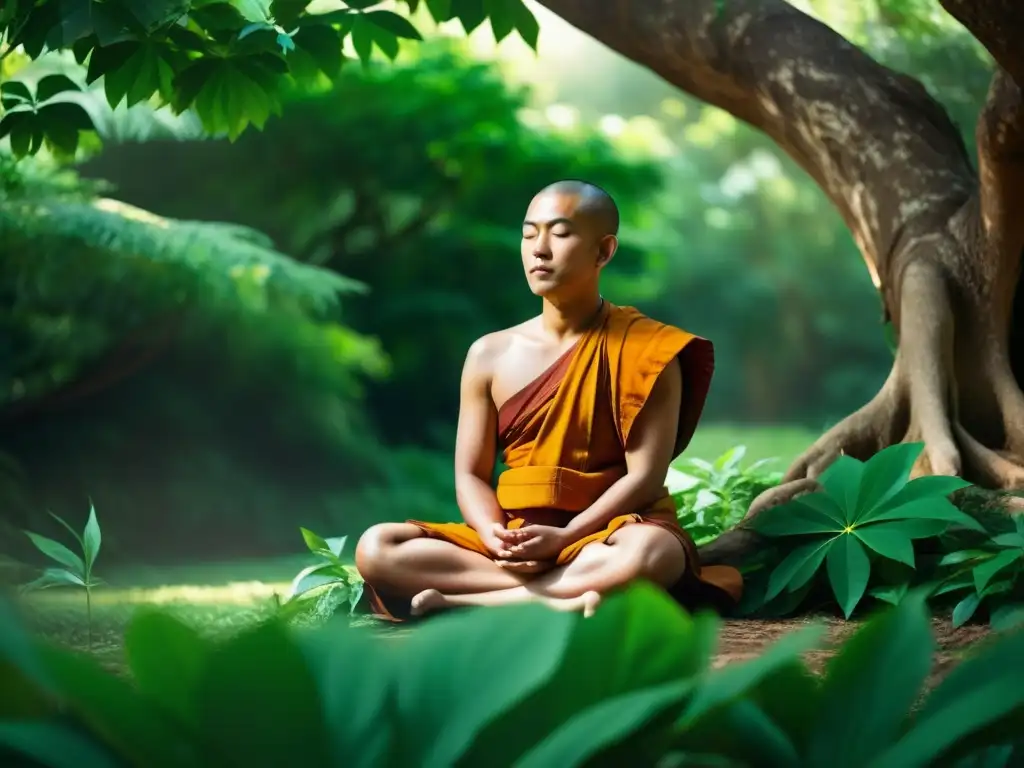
(593, 202)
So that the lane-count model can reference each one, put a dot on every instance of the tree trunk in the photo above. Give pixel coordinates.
(941, 241)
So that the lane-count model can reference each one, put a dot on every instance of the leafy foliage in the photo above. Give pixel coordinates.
(339, 696)
(228, 60)
(713, 497)
(866, 512)
(990, 574)
(330, 581)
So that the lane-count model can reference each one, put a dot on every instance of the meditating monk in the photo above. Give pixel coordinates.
(588, 403)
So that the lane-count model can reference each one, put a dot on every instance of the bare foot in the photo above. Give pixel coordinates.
(586, 603)
(590, 602)
(427, 601)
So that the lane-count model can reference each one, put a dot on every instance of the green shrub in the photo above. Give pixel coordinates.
(519, 685)
(320, 589)
(712, 497)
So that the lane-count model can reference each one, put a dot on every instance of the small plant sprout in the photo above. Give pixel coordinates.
(77, 569)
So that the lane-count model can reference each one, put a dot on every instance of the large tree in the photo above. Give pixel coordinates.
(940, 238)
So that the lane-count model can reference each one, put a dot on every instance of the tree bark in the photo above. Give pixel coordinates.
(941, 241)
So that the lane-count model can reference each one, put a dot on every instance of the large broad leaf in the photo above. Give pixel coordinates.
(798, 562)
(801, 516)
(871, 685)
(118, 713)
(753, 712)
(983, 694)
(53, 745)
(842, 481)
(260, 700)
(885, 474)
(733, 681)
(605, 724)
(925, 509)
(358, 675)
(638, 639)
(888, 540)
(984, 572)
(24, 679)
(57, 551)
(167, 659)
(450, 683)
(848, 572)
(919, 528)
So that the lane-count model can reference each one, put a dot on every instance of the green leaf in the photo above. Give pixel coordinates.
(51, 85)
(315, 543)
(91, 539)
(57, 551)
(889, 540)
(109, 59)
(230, 98)
(984, 572)
(13, 93)
(470, 13)
(1013, 539)
(396, 25)
(262, 700)
(795, 563)
(929, 486)
(842, 481)
(885, 474)
(167, 659)
(733, 681)
(55, 577)
(1007, 617)
(797, 517)
(362, 35)
(53, 745)
(848, 572)
(287, 12)
(639, 638)
(964, 555)
(323, 44)
(926, 509)
(118, 713)
(890, 593)
(501, 17)
(141, 75)
(315, 576)
(441, 10)
(977, 695)
(965, 609)
(584, 735)
(871, 685)
(525, 23)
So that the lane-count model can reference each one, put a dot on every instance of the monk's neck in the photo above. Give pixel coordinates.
(565, 319)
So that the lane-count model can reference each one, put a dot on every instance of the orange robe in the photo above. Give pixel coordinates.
(563, 440)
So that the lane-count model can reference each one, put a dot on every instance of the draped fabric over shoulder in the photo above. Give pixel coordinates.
(564, 437)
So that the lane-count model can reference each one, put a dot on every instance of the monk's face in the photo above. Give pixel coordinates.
(563, 248)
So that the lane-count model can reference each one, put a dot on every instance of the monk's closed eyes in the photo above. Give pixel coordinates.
(588, 403)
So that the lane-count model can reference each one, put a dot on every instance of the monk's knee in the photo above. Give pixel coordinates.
(376, 547)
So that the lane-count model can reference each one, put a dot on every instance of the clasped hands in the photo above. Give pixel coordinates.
(530, 549)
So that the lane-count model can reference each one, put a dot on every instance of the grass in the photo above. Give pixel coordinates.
(783, 443)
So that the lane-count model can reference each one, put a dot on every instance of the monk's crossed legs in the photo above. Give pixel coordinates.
(399, 558)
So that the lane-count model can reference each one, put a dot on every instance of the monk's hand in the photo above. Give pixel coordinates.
(537, 542)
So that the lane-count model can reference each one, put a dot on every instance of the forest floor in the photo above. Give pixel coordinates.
(220, 610)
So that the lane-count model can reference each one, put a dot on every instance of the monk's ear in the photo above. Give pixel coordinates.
(606, 249)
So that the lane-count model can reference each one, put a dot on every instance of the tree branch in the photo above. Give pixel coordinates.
(882, 149)
(997, 25)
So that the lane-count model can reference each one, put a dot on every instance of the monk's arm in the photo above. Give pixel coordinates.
(648, 455)
(476, 447)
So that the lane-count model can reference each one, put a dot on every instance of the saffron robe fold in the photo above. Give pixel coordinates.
(563, 440)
